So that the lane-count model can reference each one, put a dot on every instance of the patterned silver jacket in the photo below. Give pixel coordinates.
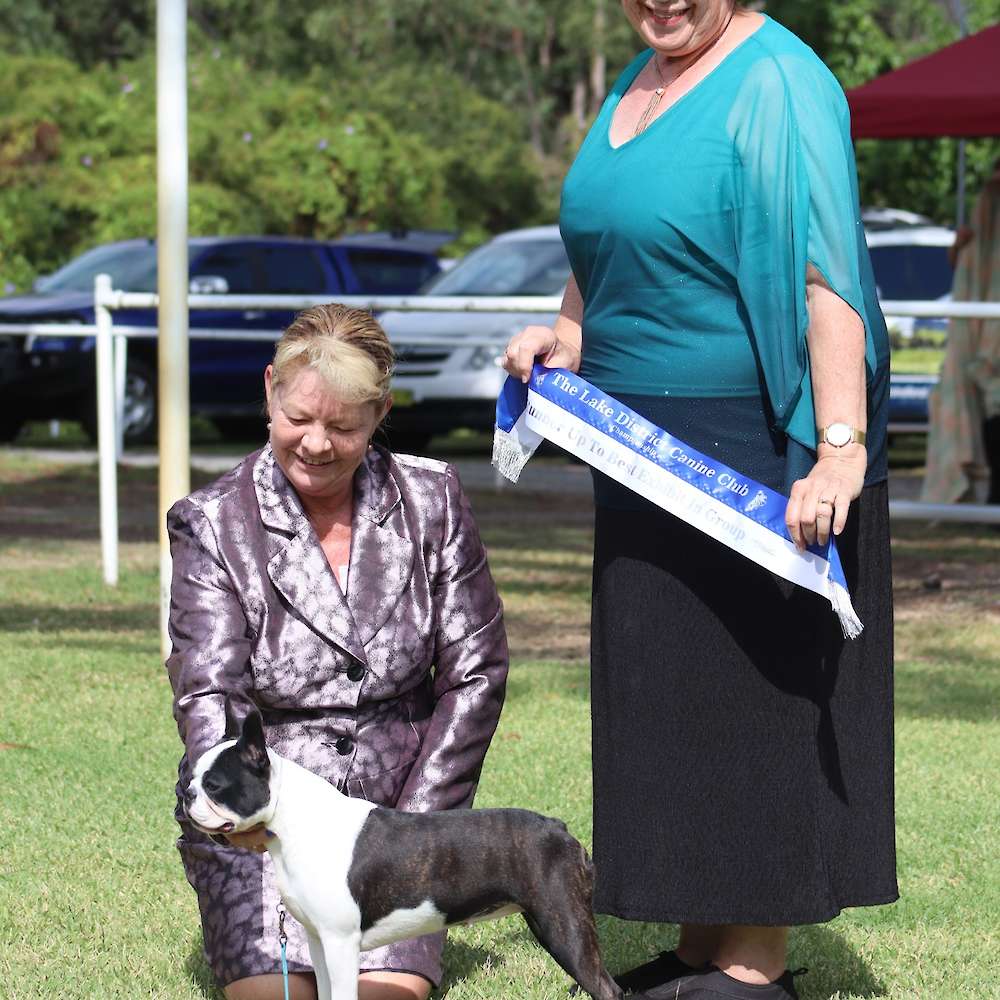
(392, 692)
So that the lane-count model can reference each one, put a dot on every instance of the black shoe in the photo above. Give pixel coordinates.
(714, 984)
(666, 967)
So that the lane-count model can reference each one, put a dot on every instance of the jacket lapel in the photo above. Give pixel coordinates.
(298, 567)
(381, 559)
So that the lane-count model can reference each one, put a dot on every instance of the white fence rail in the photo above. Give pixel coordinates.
(111, 360)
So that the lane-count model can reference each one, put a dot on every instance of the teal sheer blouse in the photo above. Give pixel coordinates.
(690, 241)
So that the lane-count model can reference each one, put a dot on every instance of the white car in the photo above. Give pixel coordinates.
(438, 388)
(452, 384)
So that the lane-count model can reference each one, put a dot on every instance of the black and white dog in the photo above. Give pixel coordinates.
(358, 876)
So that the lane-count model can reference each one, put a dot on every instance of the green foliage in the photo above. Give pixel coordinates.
(316, 118)
(268, 154)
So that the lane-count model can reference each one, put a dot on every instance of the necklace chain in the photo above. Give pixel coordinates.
(654, 100)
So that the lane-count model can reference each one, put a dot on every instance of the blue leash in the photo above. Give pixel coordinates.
(283, 941)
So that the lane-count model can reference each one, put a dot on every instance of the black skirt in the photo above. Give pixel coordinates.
(743, 749)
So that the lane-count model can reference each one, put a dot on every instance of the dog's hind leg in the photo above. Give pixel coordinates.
(570, 938)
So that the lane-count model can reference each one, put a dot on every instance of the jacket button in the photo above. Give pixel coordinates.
(355, 672)
(344, 745)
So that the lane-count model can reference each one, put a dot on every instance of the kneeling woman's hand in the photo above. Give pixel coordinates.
(256, 839)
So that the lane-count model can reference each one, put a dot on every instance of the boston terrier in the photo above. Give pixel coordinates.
(358, 876)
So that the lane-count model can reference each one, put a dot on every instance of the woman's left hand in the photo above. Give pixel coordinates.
(823, 499)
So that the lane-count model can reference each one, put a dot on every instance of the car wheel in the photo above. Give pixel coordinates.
(10, 426)
(139, 413)
(247, 430)
(408, 442)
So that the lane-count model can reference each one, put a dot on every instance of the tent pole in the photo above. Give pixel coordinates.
(963, 29)
(960, 187)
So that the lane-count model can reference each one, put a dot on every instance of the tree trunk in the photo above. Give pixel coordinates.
(598, 57)
(528, 88)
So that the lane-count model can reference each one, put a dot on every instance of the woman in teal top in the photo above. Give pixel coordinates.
(722, 287)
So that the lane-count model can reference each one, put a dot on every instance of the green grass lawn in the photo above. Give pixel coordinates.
(93, 902)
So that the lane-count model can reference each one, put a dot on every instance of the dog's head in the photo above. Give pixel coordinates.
(231, 787)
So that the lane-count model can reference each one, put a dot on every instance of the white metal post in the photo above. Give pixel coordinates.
(121, 367)
(172, 262)
(106, 454)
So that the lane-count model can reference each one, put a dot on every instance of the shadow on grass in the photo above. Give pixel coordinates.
(834, 967)
(571, 678)
(460, 960)
(37, 617)
(199, 973)
(964, 688)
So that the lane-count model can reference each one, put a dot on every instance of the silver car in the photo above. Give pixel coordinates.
(452, 384)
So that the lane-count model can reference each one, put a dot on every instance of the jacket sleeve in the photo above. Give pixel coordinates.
(209, 636)
(470, 672)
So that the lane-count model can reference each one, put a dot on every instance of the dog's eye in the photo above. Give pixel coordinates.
(212, 785)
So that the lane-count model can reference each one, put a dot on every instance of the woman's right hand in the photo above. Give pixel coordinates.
(538, 343)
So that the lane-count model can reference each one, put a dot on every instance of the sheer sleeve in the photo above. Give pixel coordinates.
(796, 203)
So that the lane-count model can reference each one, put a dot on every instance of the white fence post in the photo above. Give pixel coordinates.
(174, 434)
(121, 368)
(106, 451)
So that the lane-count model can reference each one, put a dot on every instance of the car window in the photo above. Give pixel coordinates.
(237, 264)
(517, 267)
(387, 273)
(292, 270)
(132, 269)
(912, 272)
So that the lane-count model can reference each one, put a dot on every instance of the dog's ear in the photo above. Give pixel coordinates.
(251, 745)
(232, 720)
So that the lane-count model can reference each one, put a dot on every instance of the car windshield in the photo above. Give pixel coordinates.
(514, 267)
(132, 268)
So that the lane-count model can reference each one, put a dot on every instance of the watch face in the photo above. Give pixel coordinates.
(838, 435)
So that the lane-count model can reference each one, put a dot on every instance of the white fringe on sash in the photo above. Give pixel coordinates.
(513, 448)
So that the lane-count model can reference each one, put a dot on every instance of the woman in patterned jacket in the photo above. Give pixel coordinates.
(344, 591)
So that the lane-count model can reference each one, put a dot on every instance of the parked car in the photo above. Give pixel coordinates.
(877, 219)
(911, 264)
(45, 377)
(455, 384)
(438, 388)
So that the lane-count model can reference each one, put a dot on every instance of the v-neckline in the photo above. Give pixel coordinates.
(680, 100)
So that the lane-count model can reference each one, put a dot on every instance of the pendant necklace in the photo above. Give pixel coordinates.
(654, 101)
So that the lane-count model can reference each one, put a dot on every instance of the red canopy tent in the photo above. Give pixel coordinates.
(952, 92)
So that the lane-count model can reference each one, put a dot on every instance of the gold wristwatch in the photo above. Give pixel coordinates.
(840, 435)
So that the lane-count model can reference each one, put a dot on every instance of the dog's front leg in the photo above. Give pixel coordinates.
(339, 956)
(319, 966)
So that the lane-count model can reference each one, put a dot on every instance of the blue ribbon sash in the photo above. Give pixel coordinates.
(730, 507)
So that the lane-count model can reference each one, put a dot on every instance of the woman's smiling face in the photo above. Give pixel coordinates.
(677, 27)
(318, 440)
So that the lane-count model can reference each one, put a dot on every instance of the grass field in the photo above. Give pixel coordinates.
(93, 903)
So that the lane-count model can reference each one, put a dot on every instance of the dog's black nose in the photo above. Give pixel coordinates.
(190, 794)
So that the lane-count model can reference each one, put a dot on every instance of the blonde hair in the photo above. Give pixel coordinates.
(346, 347)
